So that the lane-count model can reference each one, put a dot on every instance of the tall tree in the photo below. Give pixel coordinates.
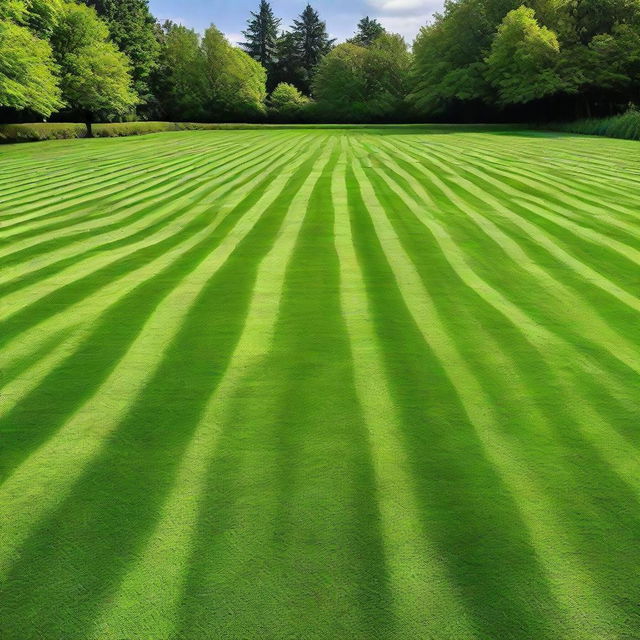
(261, 39)
(287, 67)
(524, 59)
(356, 83)
(449, 55)
(28, 74)
(180, 80)
(95, 75)
(132, 28)
(312, 43)
(369, 30)
(235, 82)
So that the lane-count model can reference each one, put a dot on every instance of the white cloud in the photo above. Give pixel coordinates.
(398, 6)
(407, 26)
(405, 17)
(405, 7)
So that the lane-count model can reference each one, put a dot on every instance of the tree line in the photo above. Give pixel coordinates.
(477, 60)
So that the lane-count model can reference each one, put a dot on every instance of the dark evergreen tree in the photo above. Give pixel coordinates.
(369, 30)
(261, 39)
(132, 29)
(287, 68)
(312, 43)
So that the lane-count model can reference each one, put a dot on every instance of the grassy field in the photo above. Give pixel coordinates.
(320, 384)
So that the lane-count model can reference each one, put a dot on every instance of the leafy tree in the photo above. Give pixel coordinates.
(181, 79)
(235, 82)
(615, 65)
(312, 43)
(132, 28)
(341, 80)
(27, 70)
(359, 83)
(15, 10)
(369, 30)
(449, 56)
(524, 56)
(262, 38)
(95, 76)
(596, 17)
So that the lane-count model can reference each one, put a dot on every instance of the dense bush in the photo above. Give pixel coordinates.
(355, 83)
(520, 59)
(626, 126)
(57, 131)
(41, 131)
(286, 103)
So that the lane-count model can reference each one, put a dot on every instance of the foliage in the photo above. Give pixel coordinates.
(132, 28)
(369, 30)
(286, 96)
(359, 83)
(261, 39)
(311, 44)
(181, 88)
(95, 76)
(287, 68)
(27, 70)
(43, 15)
(490, 60)
(492, 54)
(286, 103)
(626, 126)
(523, 61)
(41, 131)
(235, 82)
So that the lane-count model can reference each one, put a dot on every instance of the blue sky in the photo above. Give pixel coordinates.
(401, 16)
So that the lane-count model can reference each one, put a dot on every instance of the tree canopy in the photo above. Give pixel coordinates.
(94, 75)
(28, 73)
(132, 29)
(261, 38)
(490, 55)
(365, 83)
(311, 42)
(523, 63)
(369, 30)
(475, 60)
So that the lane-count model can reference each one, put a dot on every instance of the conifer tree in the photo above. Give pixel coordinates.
(261, 39)
(312, 43)
(369, 30)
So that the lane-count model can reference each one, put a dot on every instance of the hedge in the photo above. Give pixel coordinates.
(56, 131)
(626, 126)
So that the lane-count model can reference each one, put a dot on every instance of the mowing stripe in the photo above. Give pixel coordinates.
(417, 578)
(543, 240)
(612, 447)
(88, 280)
(575, 591)
(618, 346)
(155, 584)
(41, 481)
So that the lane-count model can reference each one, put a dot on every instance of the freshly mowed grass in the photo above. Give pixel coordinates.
(313, 383)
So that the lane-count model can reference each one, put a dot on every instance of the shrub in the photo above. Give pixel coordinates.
(626, 126)
(286, 103)
(41, 131)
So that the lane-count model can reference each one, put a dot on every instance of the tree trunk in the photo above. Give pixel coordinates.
(89, 123)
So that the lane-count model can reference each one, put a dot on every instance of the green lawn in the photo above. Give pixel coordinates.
(320, 384)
